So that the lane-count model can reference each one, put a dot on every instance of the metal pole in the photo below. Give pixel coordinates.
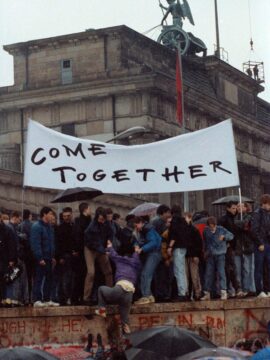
(22, 154)
(217, 31)
(186, 197)
(240, 201)
(22, 207)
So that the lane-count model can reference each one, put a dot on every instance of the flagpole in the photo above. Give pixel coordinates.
(217, 31)
(186, 196)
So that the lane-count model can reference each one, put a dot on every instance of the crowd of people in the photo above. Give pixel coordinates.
(98, 260)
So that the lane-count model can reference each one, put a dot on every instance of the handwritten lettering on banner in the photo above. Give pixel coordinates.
(201, 160)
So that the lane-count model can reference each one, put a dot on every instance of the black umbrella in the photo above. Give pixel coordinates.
(218, 352)
(236, 198)
(76, 194)
(168, 341)
(139, 354)
(23, 353)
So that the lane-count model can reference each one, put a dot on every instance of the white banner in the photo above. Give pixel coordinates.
(204, 159)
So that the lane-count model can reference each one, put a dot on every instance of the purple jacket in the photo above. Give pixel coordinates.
(127, 268)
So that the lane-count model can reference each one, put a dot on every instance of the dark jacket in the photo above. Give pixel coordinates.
(80, 225)
(97, 235)
(126, 236)
(24, 232)
(42, 241)
(116, 233)
(127, 268)
(260, 226)
(245, 239)
(159, 224)
(179, 232)
(228, 222)
(25, 228)
(8, 247)
(151, 239)
(194, 242)
(16, 239)
(64, 240)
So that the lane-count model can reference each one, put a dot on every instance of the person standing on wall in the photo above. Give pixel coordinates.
(260, 228)
(228, 222)
(149, 242)
(95, 241)
(43, 247)
(81, 223)
(178, 236)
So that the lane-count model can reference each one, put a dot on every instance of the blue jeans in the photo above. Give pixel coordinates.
(151, 262)
(245, 271)
(179, 267)
(42, 282)
(260, 257)
(215, 263)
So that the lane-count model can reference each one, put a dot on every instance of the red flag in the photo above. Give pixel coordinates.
(179, 91)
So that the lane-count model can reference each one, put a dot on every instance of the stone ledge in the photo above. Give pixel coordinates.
(213, 305)
(223, 322)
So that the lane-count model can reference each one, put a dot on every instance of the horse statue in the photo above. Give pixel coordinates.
(173, 36)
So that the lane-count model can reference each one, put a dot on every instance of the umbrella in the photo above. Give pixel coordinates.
(217, 352)
(224, 200)
(76, 194)
(168, 341)
(139, 354)
(147, 208)
(20, 353)
(70, 353)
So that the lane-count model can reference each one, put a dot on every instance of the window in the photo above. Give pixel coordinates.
(68, 129)
(66, 71)
(66, 64)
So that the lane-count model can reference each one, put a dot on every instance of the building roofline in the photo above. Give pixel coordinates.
(83, 35)
(213, 62)
(63, 38)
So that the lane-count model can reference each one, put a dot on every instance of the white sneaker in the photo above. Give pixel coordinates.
(51, 303)
(262, 295)
(223, 295)
(142, 301)
(39, 304)
(206, 296)
(240, 294)
(151, 299)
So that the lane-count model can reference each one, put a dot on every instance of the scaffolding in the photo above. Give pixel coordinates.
(255, 69)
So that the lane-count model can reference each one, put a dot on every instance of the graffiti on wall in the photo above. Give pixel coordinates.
(223, 327)
(28, 331)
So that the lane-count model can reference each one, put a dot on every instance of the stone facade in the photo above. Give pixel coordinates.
(98, 83)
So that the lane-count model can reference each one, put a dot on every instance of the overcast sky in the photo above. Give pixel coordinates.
(23, 20)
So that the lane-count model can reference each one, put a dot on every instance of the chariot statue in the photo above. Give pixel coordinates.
(173, 36)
